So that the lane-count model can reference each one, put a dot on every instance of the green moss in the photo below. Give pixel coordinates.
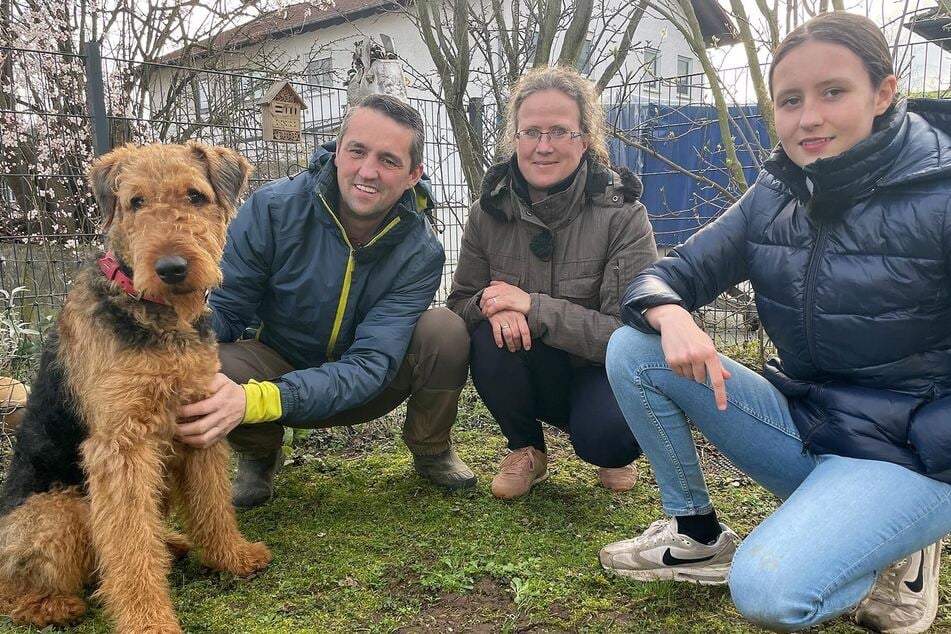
(361, 543)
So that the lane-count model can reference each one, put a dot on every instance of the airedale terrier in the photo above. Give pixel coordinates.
(95, 466)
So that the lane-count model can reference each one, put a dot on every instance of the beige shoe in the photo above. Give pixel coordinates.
(904, 599)
(618, 479)
(518, 472)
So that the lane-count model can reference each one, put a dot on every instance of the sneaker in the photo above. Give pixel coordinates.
(445, 469)
(518, 472)
(663, 553)
(254, 483)
(904, 599)
(618, 479)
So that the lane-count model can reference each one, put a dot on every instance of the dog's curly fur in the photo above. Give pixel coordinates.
(96, 466)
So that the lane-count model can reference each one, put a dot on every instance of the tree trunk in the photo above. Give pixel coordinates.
(763, 102)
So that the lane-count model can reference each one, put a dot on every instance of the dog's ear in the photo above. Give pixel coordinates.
(227, 171)
(103, 177)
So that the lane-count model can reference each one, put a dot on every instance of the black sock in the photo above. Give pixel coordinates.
(702, 528)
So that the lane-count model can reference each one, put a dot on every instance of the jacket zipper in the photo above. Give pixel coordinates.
(348, 275)
(808, 297)
(807, 441)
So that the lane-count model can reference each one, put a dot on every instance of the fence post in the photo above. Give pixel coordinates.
(95, 99)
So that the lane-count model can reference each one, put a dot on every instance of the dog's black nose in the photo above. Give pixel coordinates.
(172, 269)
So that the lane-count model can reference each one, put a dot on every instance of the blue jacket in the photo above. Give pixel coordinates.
(850, 261)
(342, 316)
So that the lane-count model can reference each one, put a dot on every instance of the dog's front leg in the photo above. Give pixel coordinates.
(125, 482)
(204, 491)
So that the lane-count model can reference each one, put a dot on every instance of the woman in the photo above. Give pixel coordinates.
(546, 249)
(845, 237)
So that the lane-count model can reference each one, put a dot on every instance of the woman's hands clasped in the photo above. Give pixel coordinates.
(506, 307)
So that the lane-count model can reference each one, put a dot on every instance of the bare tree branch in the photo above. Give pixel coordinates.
(756, 72)
(576, 33)
(623, 47)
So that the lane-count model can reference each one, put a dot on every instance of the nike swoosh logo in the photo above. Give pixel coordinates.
(670, 560)
(916, 585)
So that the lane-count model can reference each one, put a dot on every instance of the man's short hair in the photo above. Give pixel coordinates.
(397, 110)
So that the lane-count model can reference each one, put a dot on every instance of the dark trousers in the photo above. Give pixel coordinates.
(524, 388)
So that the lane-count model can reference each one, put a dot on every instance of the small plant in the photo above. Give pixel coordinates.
(17, 339)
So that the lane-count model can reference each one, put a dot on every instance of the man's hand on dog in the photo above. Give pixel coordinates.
(208, 421)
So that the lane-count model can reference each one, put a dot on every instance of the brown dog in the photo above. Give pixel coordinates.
(95, 466)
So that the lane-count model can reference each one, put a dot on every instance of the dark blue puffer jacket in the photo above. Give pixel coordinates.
(852, 275)
(289, 266)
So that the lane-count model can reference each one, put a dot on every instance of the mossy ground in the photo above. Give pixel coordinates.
(361, 544)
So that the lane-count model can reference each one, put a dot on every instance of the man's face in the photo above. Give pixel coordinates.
(373, 166)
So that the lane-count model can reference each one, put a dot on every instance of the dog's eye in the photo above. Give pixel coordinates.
(195, 197)
(137, 202)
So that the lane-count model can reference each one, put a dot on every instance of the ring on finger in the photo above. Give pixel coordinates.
(506, 327)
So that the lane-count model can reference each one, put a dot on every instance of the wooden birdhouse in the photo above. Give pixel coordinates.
(281, 109)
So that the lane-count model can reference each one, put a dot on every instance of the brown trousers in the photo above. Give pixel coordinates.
(432, 376)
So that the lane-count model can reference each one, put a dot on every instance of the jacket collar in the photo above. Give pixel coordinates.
(904, 147)
(849, 174)
(501, 199)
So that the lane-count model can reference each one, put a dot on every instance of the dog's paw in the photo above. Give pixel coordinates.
(243, 560)
(178, 545)
(42, 610)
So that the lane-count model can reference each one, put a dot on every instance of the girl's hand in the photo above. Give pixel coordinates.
(689, 352)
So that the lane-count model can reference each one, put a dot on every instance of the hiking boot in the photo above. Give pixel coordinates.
(445, 469)
(904, 599)
(618, 479)
(518, 472)
(254, 483)
(663, 553)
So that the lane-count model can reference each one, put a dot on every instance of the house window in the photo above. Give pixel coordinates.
(683, 76)
(319, 75)
(584, 64)
(652, 69)
(200, 90)
(250, 89)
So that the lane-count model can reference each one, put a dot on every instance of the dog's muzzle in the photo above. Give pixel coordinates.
(172, 269)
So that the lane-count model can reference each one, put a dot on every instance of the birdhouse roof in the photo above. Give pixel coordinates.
(282, 91)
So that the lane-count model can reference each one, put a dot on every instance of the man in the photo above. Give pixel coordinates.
(338, 266)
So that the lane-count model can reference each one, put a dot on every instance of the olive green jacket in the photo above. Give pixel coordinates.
(574, 252)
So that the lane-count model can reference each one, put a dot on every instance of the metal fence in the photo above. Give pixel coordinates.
(48, 219)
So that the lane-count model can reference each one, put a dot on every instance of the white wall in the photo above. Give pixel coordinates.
(338, 42)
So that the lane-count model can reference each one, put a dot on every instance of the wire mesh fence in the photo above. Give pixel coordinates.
(664, 128)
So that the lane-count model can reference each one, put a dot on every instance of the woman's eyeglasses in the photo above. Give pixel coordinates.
(555, 135)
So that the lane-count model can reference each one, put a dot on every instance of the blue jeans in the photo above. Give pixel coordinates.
(843, 519)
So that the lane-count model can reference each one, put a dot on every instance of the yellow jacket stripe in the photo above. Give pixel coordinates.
(348, 276)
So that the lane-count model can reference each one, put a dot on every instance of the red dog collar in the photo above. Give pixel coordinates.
(109, 266)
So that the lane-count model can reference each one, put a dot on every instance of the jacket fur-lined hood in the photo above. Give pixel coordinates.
(599, 179)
